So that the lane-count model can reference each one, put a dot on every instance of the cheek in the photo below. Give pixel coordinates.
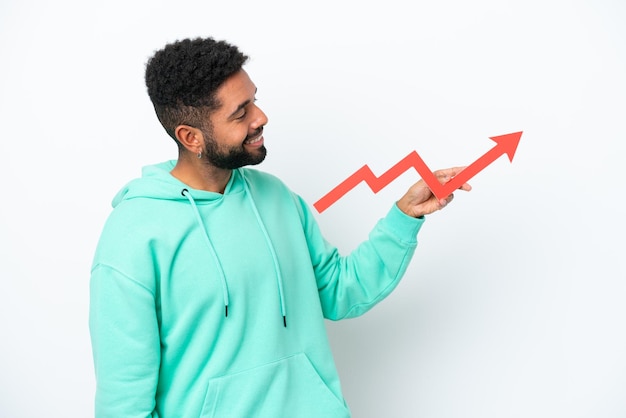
(230, 136)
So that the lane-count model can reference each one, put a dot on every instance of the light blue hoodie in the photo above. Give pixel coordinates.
(211, 305)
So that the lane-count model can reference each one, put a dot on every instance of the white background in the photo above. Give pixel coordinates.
(514, 305)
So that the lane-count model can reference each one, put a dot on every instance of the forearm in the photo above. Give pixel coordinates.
(351, 285)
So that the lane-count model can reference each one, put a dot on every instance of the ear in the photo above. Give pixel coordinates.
(191, 138)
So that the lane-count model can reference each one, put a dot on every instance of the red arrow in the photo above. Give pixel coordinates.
(505, 144)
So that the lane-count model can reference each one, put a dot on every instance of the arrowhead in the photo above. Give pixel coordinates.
(507, 143)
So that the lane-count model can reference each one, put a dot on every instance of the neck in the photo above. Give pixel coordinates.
(198, 174)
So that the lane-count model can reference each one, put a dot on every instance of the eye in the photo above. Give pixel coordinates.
(243, 110)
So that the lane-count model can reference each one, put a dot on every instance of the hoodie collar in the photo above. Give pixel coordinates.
(157, 182)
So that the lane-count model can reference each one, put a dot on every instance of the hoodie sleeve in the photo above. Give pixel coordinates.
(125, 343)
(351, 285)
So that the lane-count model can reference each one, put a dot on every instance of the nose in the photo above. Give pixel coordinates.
(260, 118)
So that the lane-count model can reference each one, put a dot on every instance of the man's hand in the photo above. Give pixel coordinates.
(419, 200)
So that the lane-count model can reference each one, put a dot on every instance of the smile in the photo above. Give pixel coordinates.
(253, 140)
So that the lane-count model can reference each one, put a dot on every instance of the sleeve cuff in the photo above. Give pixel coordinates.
(402, 225)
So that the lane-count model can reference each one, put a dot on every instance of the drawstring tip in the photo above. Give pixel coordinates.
(285, 321)
(226, 310)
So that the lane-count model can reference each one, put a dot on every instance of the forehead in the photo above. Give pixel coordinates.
(236, 90)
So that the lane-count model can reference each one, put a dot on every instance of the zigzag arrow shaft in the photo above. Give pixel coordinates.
(376, 184)
(505, 144)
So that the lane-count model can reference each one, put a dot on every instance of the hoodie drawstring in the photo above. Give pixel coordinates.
(268, 241)
(186, 193)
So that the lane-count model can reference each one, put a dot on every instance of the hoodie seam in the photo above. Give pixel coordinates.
(124, 275)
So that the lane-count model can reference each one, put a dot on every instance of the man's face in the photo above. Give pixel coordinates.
(236, 135)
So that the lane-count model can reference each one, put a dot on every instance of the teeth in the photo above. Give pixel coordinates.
(252, 141)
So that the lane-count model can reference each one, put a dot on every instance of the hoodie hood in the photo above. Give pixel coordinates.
(156, 182)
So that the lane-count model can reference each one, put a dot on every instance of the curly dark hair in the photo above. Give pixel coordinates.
(184, 76)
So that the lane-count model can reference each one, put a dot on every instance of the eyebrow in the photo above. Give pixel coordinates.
(242, 105)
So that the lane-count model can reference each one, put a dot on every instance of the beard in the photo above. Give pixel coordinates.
(232, 157)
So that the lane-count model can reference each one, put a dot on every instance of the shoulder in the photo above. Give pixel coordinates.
(134, 227)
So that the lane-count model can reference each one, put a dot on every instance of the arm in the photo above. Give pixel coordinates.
(126, 344)
(350, 286)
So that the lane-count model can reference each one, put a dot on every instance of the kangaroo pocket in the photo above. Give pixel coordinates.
(290, 387)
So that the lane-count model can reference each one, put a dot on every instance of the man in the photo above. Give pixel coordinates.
(211, 281)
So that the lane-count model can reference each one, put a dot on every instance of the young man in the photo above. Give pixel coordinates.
(211, 281)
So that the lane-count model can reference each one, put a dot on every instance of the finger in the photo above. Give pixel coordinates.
(449, 172)
(443, 176)
(466, 187)
(444, 202)
(446, 174)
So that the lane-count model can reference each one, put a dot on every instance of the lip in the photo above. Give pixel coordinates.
(259, 140)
